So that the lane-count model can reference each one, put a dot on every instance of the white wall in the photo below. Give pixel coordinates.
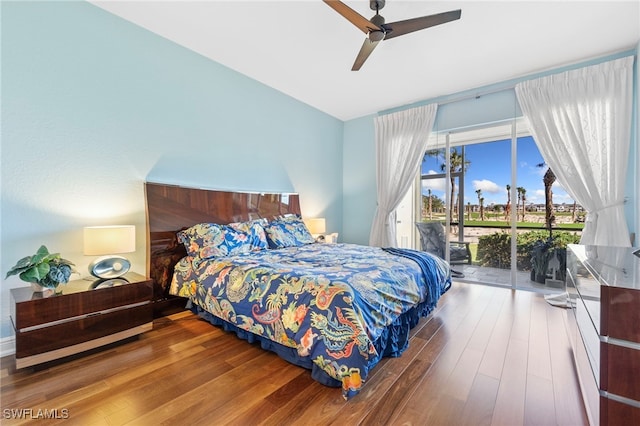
(93, 106)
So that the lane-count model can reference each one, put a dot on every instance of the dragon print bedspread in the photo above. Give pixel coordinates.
(330, 302)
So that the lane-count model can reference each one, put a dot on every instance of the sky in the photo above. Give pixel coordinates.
(490, 170)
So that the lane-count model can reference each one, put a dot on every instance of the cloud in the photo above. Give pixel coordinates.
(559, 196)
(433, 185)
(556, 186)
(562, 198)
(535, 197)
(487, 186)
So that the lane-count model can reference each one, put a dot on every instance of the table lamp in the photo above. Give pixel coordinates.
(105, 241)
(317, 227)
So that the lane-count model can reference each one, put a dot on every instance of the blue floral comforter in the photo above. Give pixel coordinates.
(332, 304)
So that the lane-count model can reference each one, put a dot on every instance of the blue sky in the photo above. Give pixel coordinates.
(490, 171)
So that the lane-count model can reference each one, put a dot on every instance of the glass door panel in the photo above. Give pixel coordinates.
(486, 187)
(547, 220)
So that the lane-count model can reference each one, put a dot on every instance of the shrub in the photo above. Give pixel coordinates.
(494, 250)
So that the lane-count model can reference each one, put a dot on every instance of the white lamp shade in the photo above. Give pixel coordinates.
(316, 225)
(99, 240)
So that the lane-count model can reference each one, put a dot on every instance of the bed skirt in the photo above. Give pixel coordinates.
(393, 341)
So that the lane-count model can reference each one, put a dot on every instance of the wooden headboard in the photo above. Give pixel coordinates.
(171, 208)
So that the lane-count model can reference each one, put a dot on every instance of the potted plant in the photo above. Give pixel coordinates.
(541, 253)
(43, 270)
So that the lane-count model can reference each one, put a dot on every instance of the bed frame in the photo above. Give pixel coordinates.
(171, 208)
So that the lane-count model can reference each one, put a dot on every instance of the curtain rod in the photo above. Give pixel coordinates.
(511, 84)
(478, 94)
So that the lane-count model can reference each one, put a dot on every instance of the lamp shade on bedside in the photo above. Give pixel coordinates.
(109, 240)
(316, 226)
(99, 240)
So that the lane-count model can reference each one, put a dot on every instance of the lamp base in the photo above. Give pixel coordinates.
(110, 266)
(111, 282)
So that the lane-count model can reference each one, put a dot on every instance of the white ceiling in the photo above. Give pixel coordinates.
(305, 49)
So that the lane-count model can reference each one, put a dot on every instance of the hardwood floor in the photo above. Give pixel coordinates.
(485, 356)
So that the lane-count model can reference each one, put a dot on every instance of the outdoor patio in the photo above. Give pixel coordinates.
(474, 274)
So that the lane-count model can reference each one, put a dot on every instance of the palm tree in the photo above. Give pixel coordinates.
(455, 165)
(430, 206)
(524, 198)
(480, 200)
(548, 180)
(520, 191)
(507, 208)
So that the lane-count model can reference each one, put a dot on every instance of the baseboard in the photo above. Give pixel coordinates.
(7, 346)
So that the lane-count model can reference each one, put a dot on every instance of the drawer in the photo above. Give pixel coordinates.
(620, 313)
(617, 413)
(620, 368)
(58, 336)
(41, 311)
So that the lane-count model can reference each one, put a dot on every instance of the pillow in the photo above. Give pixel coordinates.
(288, 231)
(208, 240)
(255, 231)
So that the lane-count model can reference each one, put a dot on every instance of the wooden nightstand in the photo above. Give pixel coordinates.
(79, 319)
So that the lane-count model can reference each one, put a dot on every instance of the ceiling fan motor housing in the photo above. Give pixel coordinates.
(377, 20)
(376, 4)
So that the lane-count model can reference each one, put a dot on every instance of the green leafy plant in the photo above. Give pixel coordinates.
(44, 268)
(541, 253)
(494, 250)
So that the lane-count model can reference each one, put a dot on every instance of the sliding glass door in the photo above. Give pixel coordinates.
(484, 188)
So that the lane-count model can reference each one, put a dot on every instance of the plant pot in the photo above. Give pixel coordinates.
(46, 291)
(541, 278)
(37, 288)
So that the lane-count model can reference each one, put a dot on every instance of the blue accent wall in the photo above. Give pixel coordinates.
(359, 185)
(93, 106)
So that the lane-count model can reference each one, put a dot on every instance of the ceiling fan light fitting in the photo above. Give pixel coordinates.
(376, 35)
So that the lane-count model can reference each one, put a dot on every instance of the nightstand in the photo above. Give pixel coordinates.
(84, 316)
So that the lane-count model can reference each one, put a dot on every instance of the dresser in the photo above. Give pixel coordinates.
(85, 315)
(604, 286)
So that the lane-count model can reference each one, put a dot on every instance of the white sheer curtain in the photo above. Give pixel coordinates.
(581, 122)
(401, 141)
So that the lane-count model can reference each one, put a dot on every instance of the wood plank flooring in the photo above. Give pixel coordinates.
(485, 356)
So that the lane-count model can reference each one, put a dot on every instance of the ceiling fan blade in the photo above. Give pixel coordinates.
(365, 51)
(395, 29)
(352, 16)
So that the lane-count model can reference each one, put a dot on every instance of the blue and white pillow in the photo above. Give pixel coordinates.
(288, 231)
(208, 240)
(255, 231)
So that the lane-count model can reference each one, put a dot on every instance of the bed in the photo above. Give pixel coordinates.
(246, 262)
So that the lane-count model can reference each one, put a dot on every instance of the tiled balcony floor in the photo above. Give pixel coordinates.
(474, 274)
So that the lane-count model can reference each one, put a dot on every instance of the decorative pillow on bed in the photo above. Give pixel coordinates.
(288, 231)
(255, 230)
(208, 240)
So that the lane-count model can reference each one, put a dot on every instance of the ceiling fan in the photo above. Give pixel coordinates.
(377, 30)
